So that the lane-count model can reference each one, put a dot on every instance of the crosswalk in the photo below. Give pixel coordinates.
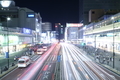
(35, 58)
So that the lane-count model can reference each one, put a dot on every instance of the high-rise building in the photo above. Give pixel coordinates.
(60, 29)
(87, 5)
(46, 26)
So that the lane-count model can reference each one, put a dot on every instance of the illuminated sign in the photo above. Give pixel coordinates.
(5, 3)
(30, 15)
(26, 31)
(109, 34)
(74, 24)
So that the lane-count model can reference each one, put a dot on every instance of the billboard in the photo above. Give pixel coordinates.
(74, 24)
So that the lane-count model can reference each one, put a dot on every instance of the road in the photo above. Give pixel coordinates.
(77, 66)
(74, 65)
(47, 72)
(16, 73)
(31, 72)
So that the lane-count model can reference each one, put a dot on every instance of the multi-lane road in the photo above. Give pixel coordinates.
(77, 66)
(74, 65)
(41, 68)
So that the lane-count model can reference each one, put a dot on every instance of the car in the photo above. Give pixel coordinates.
(40, 51)
(24, 61)
(45, 47)
(35, 47)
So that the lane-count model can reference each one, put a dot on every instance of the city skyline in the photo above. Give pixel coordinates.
(54, 11)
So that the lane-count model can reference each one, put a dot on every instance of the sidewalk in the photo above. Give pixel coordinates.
(12, 63)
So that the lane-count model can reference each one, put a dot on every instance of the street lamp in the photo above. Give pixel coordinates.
(7, 54)
(113, 43)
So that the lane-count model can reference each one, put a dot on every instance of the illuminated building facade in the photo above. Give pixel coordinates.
(23, 28)
(104, 34)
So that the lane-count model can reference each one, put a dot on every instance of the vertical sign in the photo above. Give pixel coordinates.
(58, 58)
(6, 55)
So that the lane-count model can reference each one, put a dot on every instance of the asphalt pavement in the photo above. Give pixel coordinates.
(105, 58)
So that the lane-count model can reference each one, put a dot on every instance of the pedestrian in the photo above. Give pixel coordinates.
(15, 58)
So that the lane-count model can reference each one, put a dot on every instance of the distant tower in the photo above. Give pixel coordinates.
(59, 31)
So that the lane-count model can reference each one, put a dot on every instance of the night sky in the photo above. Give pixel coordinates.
(54, 11)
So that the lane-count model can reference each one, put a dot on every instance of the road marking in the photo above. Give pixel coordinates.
(86, 76)
(74, 62)
(80, 69)
(45, 68)
(18, 75)
(45, 77)
(47, 72)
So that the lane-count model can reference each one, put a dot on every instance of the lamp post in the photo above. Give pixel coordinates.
(7, 55)
(113, 43)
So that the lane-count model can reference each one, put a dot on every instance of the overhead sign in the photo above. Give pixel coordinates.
(74, 25)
